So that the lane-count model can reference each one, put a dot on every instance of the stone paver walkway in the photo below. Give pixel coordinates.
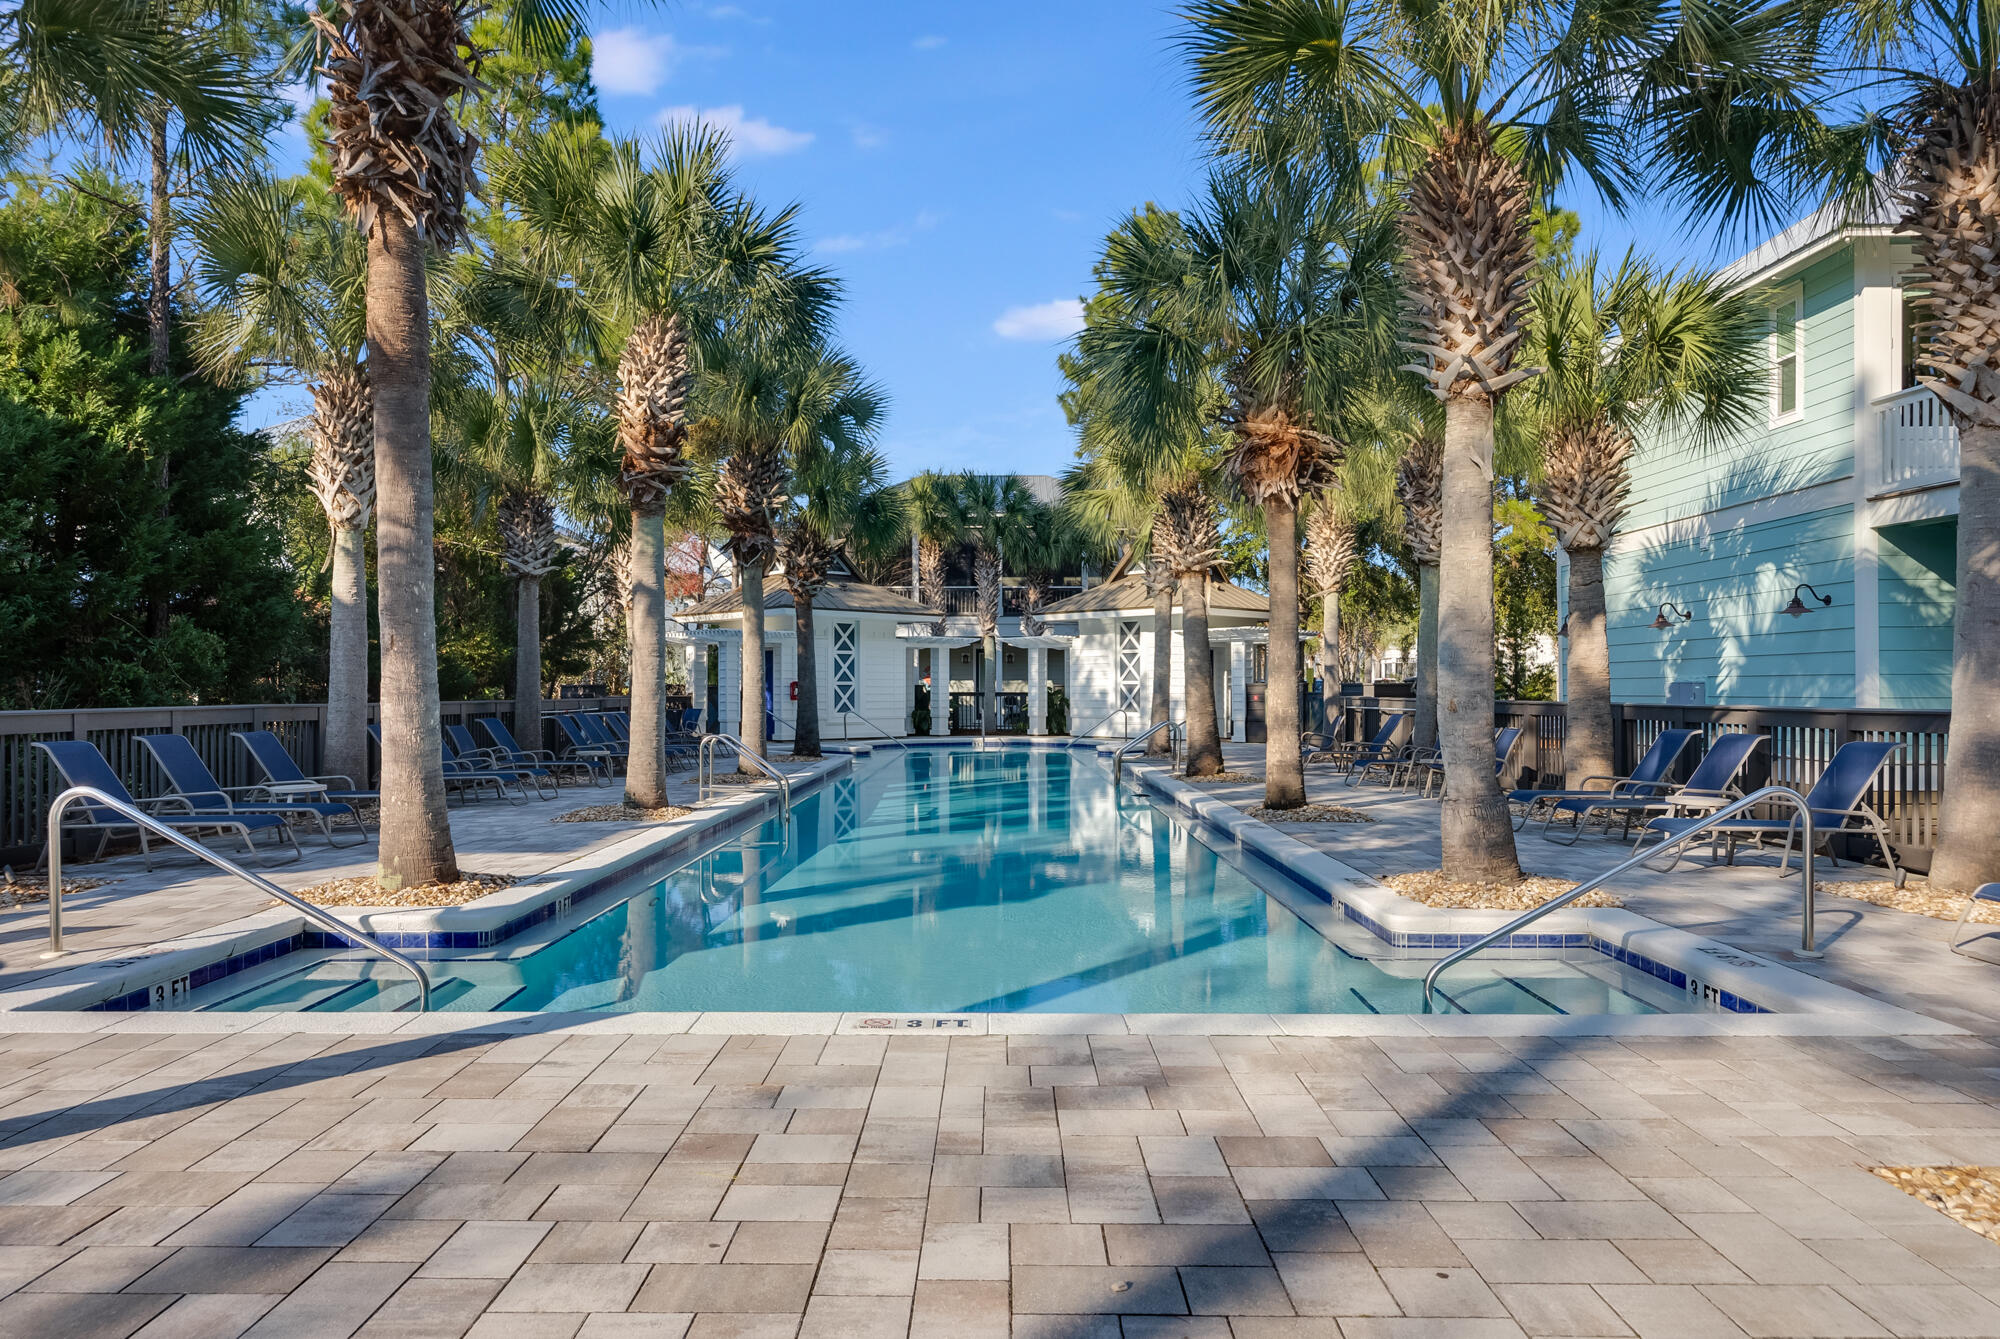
(586, 1184)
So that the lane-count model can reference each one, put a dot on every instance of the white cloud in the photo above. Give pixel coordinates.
(751, 136)
(929, 42)
(880, 240)
(1044, 321)
(867, 136)
(636, 62)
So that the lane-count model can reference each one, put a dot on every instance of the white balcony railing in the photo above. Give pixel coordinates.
(1919, 445)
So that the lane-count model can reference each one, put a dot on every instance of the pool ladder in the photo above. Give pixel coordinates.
(1782, 794)
(705, 772)
(1175, 736)
(318, 915)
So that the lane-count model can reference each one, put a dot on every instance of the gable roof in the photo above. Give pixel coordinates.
(841, 597)
(1129, 592)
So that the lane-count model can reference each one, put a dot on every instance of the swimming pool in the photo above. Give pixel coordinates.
(957, 881)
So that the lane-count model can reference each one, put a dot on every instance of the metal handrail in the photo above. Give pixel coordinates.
(1115, 711)
(1118, 758)
(138, 819)
(1807, 946)
(865, 721)
(705, 770)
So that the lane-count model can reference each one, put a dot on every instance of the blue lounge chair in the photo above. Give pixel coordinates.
(1836, 801)
(1431, 767)
(598, 733)
(1712, 785)
(81, 764)
(1380, 751)
(691, 722)
(583, 744)
(457, 775)
(191, 779)
(480, 758)
(1651, 778)
(542, 759)
(284, 780)
(1322, 745)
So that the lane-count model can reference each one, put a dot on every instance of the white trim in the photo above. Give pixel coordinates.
(1794, 295)
(1825, 496)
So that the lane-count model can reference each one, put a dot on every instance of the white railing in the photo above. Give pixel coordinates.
(1918, 444)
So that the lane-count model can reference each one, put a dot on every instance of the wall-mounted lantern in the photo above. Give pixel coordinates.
(1799, 607)
(1668, 616)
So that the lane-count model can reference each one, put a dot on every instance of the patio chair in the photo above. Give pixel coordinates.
(1712, 785)
(503, 744)
(1649, 778)
(1431, 769)
(583, 744)
(190, 778)
(1985, 892)
(1322, 745)
(457, 775)
(691, 722)
(80, 764)
(284, 780)
(1382, 751)
(1836, 800)
(460, 747)
(598, 733)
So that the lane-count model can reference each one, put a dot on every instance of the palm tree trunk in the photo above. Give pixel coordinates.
(415, 844)
(1587, 730)
(1204, 735)
(1284, 776)
(1968, 840)
(646, 627)
(528, 663)
(805, 730)
(344, 749)
(1427, 656)
(1329, 653)
(159, 223)
(753, 664)
(1478, 836)
(1163, 667)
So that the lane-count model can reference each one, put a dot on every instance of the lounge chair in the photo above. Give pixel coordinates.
(457, 775)
(1836, 801)
(583, 744)
(1712, 785)
(1382, 751)
(1430, 768)
(81, 764)
(284, 780)
(191, 779)
(1652, 777)
(598, 733)
(503, 744)
(474, 761)
(1322, 745)
(1985, 892)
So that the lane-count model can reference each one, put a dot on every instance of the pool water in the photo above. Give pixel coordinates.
(952, 881)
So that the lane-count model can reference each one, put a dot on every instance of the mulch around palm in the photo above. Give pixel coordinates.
(1430, 887)
(1917, 897)
(621, 813)
(366, 891)
(1220, 778)
(1309, 813)
(1970, 1195)
(19, 892)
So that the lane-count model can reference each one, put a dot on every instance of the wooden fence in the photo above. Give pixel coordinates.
(28, 782)
(1802, 741)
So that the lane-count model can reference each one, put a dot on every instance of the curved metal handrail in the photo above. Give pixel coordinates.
(1076, 739)
(705, 770)
(325, 919)
(865, 721)
(1118, 758)
(1785, 793)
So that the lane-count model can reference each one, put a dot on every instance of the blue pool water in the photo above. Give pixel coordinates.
(948, 881)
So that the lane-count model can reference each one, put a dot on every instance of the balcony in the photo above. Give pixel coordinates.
(965, 599)
(1918, 446)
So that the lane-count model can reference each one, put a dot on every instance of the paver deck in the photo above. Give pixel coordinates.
(589, 1178)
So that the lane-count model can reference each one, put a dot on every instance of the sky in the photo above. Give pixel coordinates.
(958, 166)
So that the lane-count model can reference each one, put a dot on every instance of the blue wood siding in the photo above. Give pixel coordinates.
(1740, 645)
(1673, 479)
(1918, 565)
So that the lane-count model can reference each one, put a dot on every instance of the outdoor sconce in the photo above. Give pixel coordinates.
(1798, 606)
(1668, 616)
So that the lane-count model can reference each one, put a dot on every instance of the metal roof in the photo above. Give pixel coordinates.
(840, 597)
(1129, 592)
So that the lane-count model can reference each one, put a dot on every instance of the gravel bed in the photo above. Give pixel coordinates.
(1221, 778)
(1917, 897)
(1428, 886)
(366, 892)
(620, 813)
(1309, 813)
(1969, 1194)
(17, 892)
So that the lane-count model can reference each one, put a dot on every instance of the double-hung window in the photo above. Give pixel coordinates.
(1786, 351)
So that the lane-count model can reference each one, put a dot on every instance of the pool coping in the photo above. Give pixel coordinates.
(1827, 1010)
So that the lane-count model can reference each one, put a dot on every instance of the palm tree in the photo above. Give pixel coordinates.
(843, 503)
(1045, 549)
(1620, 352)
(282, 276)
(1419, 486)
(936, 525)
(1189, 543)
(664, 250)
(1284, 292)
(1482, 110)
(993, 512)
(1330, 556)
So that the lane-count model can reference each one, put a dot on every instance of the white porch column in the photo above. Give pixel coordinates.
(1239, 677)
(911, 674)
(940, 690)
(1038, 690)
(729, 686)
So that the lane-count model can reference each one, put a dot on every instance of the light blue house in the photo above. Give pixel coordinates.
(1849, 486)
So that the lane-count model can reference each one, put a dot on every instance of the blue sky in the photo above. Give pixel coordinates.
(958, 165)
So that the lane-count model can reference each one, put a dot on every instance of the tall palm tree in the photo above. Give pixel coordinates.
(1623, 351)
(1419, 487)
(1283, 292)
(282, 276)
(993, 511)
(843, 503)
(936, 526)
(664, 250)
(1188, 540)
(1331, 552)
(1046, 549)
(1481, 109)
